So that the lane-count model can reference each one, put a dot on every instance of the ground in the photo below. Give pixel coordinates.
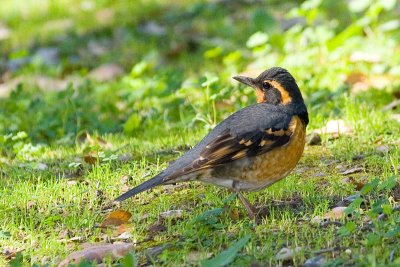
(98, 96)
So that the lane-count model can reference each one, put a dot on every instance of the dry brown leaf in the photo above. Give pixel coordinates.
(314, 139)
(362, 82)
(97, 253)
(90, 159)
(103, 143)
(234, 214)
(156, 228)
(83, 137)
(116, 218)
(124, 228)
(357, 183)
(334, 214)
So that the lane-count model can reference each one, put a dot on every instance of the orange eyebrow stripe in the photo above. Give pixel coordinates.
(286, 99)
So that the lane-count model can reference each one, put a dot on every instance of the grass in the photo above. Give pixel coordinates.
(58, 185)
(45, 203)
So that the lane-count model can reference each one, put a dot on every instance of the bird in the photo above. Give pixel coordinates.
(252, 148)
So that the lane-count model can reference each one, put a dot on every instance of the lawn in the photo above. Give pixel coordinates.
(98, 96)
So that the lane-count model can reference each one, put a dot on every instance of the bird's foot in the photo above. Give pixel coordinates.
(252, 212)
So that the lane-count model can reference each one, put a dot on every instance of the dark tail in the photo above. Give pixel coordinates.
(156, 180)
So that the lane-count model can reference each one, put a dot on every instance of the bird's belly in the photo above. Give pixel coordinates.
(255, 173)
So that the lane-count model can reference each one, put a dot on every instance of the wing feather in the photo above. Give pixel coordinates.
(249, 132)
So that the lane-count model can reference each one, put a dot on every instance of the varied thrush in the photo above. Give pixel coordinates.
(251, 149)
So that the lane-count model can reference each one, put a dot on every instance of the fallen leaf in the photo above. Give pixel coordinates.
(395, 117)
(361, 82)
(156, 228)
(334, 214)
(10, 253)
(228, 255)
(172, 214)
(335, 128)
(196, 256)
(124, 236)
(357, 183)
(351, 171)
(286, 254)
(116, 218)
(234, 214)
(106, 72)
(90, 159)
(103, 143)
(314, 139)
(105, 16)
(364, 56)
(315, 262)
(41, 166)
(97, 253)
(125, 157)
(4, 32)
(392, 105)
(30, 204)
(383, 149)
(124, 228)
(153, 253)
(348, 200)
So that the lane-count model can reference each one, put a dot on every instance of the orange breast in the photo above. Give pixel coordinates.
(278, 163)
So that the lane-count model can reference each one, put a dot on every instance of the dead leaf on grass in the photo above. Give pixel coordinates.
(97, 253)
(172, 214)
(85, 137)
(335, 128)
(364, 56)
(106, 72)
(351, 171)
(361, 82)
(332, 215)
(395, 117)
(10, 253)
(357, 183)
(90, 159)
(393, 105)
(30, 204)
(154, 252)
(116, 218)
(286, 254)
(156, 228)
(314, 139)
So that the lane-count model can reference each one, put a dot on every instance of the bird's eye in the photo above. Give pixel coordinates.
(266, 85)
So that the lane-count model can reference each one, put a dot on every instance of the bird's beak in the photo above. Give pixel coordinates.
(246, 80)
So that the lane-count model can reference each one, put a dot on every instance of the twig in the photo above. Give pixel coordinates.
(326, 250)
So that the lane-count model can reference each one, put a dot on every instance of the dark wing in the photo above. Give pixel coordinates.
(249, 132)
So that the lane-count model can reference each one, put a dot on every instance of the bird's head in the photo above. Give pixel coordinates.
(275, 86)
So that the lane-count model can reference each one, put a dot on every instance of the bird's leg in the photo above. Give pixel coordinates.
(251, 211)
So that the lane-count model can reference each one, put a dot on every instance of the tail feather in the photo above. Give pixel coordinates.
(156, 180)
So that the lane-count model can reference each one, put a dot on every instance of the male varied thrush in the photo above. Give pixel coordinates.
(251, 149)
